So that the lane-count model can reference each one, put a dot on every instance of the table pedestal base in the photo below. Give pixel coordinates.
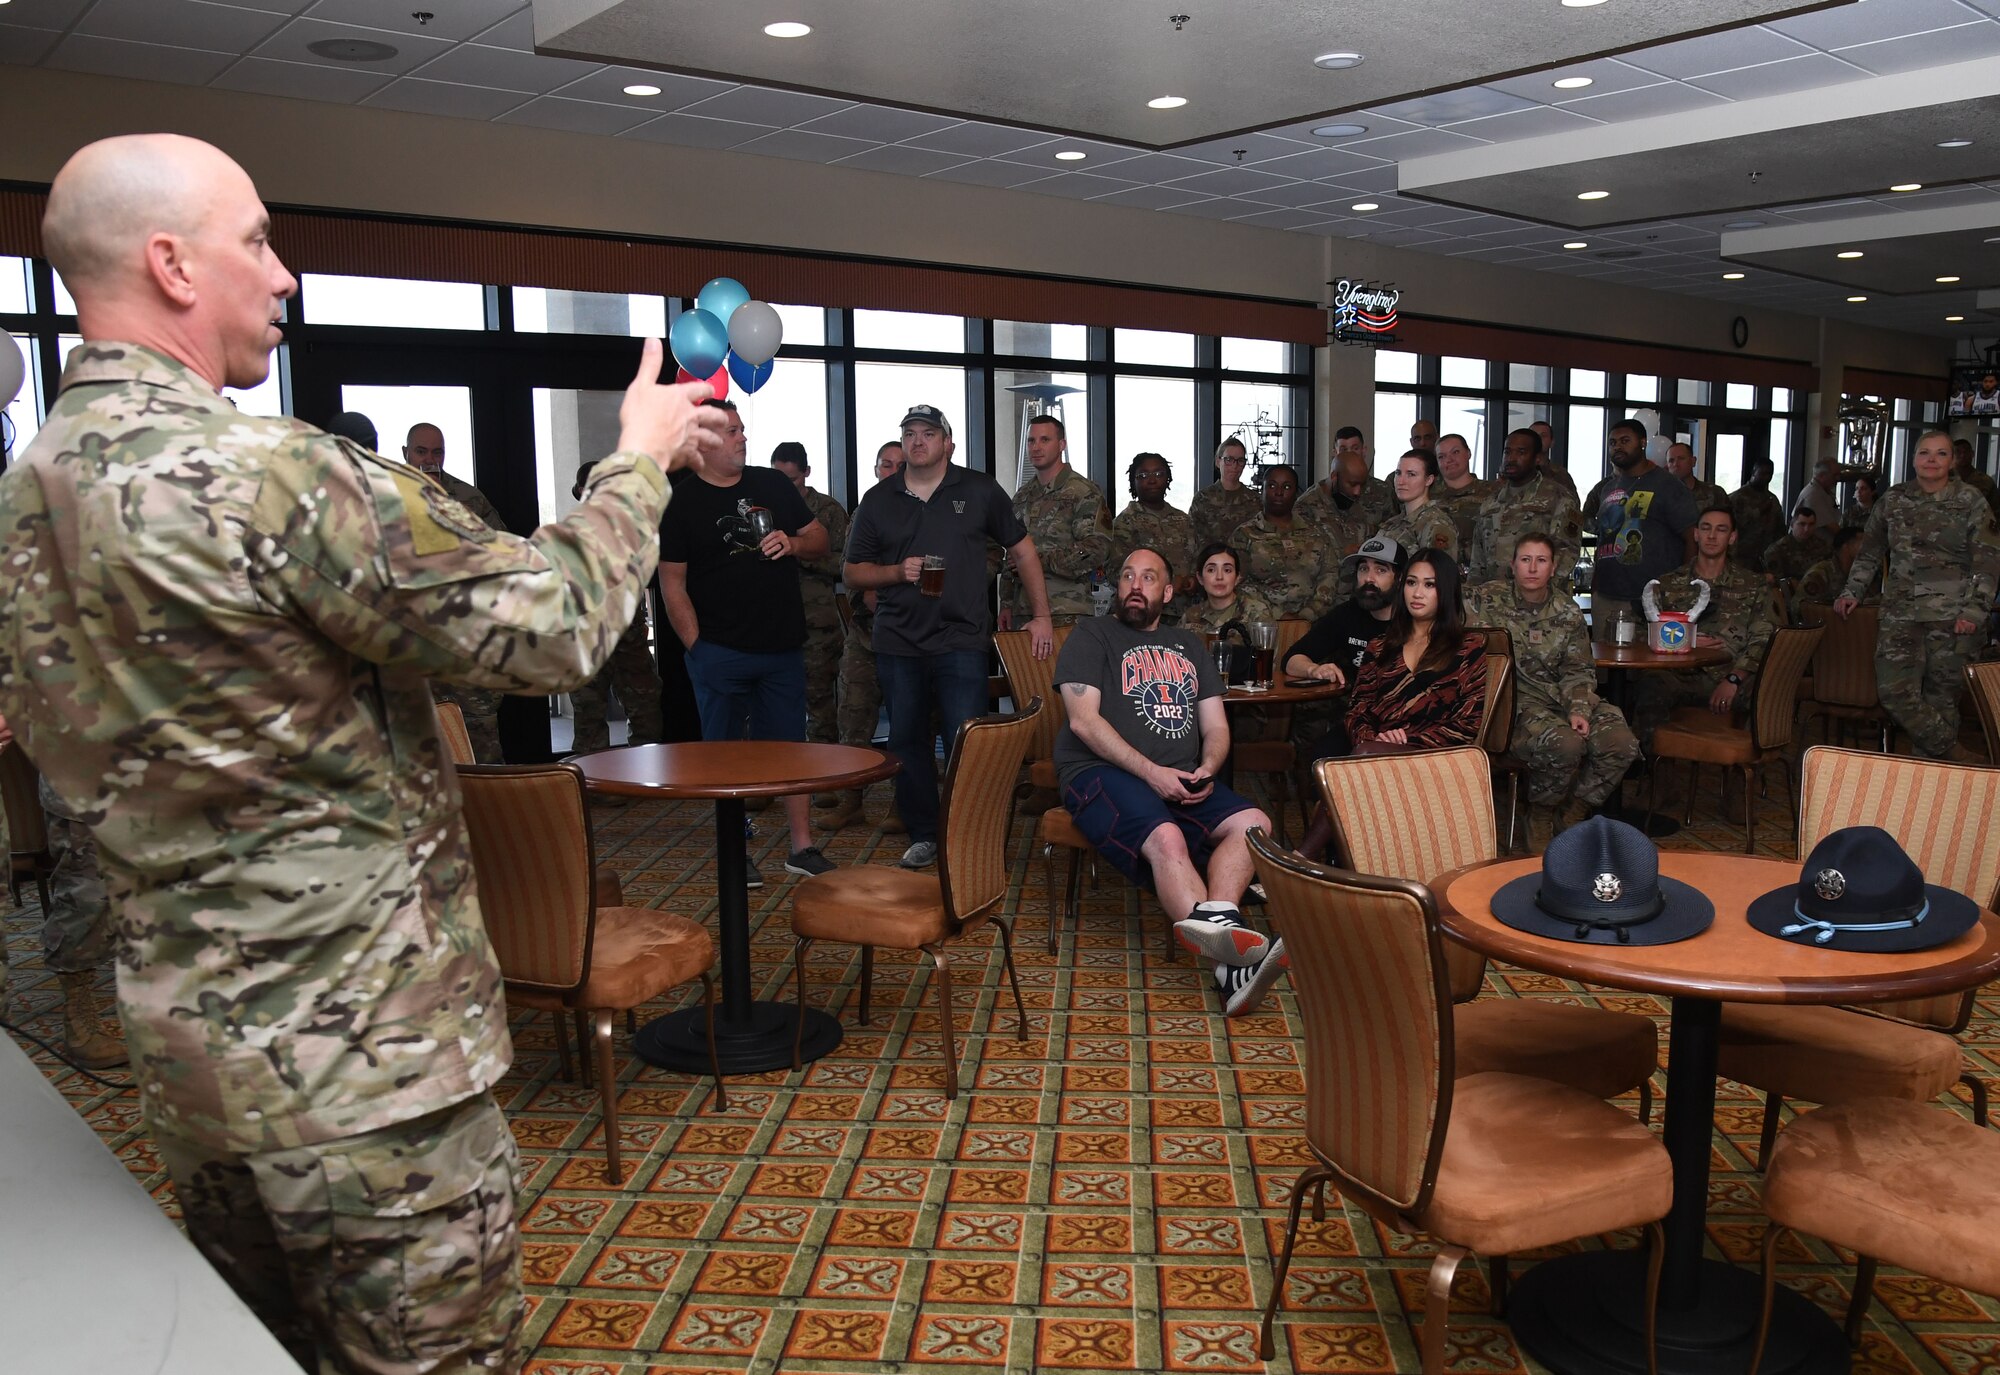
(750, 1045)
(1585, 1314)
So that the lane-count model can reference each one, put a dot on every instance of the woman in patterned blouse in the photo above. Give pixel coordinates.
(1422, 685)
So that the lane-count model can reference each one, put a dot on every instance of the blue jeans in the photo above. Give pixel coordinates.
(953, 684)
(748, 696)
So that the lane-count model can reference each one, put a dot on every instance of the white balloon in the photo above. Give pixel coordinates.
(755, 331)
(13, 369)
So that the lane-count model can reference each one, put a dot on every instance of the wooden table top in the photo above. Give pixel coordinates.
(732, 768)
(1642, 656)
(1281, 691)
(1731, 961)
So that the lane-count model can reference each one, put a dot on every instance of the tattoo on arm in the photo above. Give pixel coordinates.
(1076, 689)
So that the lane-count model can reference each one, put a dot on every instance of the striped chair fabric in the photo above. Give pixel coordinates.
(457, 739)
(1028, 678)
(1983, 682)
(1777, 705)
(972, 862)
(529, 835)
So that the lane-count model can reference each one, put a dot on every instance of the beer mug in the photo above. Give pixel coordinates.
(931, 583)
(762, 523)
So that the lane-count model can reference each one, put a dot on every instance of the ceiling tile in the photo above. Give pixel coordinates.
(299, 81)
(692, 131)
(1406, 238)
(803, 147)
(1966, 43)
(1842, 26)
(576, 116)
(1150, 197)
(181, 24)
(419, 97)
(1450, 107)
(1380, 180)
(1299, 193)
(1280, 219)
(988, 172)
(1149, 167)
(1043, 155)
(1529, 123)
(1416, 144)
(291, 44)
(878, 123)
(47, 14)
(137, 61)
(1716, 52)
(1228, 181)
(1781, 78)
(899, 158)
(1321, 164)
(1220, 208)
(757, 105)
(1644, 102)
(517, 31)
(607, 86)
(1080, 186)
(26, 47)
(454, 20)
(1607, 74)
(978, 140)
(501, 69)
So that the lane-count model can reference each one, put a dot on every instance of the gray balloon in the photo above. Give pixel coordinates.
(755, 331)
(13, 369)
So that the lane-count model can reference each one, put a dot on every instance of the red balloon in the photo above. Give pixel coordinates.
(718, 384)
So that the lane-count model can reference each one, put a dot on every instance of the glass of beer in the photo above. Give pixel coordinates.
(931, 584)
(1263, 648)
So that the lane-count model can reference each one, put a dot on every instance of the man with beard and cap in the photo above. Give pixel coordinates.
(1333, 646)
(1644, 517)
(1760, 516)
(1460, 494)
(1526, 498)
(1144, 738)
(1287, 560)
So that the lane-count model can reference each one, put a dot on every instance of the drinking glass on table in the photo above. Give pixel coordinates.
(1263, 649)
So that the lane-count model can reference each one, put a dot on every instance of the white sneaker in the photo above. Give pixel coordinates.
(922, 854)
(1243, 987)
(1215, 931)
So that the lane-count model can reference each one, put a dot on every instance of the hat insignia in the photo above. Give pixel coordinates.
(1607, 888)
(1829, 884)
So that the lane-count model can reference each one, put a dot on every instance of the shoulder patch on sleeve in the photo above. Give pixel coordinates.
(427, 536)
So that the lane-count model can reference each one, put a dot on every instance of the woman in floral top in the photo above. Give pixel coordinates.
(1422, 685)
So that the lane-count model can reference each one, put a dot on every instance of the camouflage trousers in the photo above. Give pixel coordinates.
(630, 673)
(1919, 669)
(390, 1253)
(860, 690)
(825, 648)
(76, 929)
(1563, 765)
(481, 708)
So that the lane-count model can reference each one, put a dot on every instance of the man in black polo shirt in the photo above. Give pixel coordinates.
(733, 598)
(930, 650)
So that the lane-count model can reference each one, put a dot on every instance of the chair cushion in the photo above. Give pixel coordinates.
(1831, 1055)
(1058, 827)
(1698, 734)
(871, 905)
(1529, 1163)
(637, 953)
(1601, 1053)
(1906, 1183)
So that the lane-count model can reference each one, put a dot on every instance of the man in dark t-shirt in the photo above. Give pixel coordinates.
(730, 547)
(1642, 514)
(1333, 647)
(1146, 734)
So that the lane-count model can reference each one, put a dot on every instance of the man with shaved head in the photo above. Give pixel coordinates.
(217, 643)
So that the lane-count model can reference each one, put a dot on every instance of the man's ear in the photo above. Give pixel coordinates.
(167, 264)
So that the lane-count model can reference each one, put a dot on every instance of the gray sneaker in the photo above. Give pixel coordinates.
(921, 855)
(808, 862)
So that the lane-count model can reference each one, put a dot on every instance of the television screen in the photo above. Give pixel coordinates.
(1975, 390)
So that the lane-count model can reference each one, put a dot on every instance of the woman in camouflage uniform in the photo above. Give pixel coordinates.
(1421, 523)
(1219, 508)
(1222, 597)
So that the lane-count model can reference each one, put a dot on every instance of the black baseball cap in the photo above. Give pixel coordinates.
(928, 415)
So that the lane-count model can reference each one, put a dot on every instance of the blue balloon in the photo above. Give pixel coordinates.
(700, 342)
(750, 376)
(721, 297)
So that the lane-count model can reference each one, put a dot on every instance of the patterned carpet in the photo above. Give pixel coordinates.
(1107, 1195)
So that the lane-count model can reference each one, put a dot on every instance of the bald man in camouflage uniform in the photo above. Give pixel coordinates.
(819, 580)
(218, 647)
(1527, 498)
(423, 449)
(1288, 562)
(632, 674)
(1067, 518)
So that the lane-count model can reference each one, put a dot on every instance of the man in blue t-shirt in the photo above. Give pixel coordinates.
(1145, 736)
(1642, 515)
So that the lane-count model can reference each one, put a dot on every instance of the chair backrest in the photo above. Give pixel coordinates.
(1843, 667)
(1368, 973)
(457, 739)
(1497, 729)
(529, 830)
(1029, 678)
(1291, 630)
(1776, 708)
(27, 827)
(1945, 815)
(1983, 681)
(976, 808)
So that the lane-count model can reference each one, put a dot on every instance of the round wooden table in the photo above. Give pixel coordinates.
(1583, 1313)
(1620, 662)
(751, 1035)
(1283, 692)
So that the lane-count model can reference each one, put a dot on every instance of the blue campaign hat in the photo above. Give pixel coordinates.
(1601, 884)
(1860, 890)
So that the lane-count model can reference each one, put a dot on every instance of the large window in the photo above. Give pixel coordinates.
(1154, 415)
(883, 395)
(392, 302)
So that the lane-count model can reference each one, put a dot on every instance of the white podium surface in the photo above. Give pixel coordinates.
(93, 1276)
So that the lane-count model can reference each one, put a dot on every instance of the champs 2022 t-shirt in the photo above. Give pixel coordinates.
(1149, 681)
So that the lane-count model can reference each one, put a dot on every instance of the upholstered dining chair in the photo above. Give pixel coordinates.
(1890, 1180)
(1843, 670)
(1488, 1163)
(1945, 816)
(1029, 678)
(1496, 730)
(27, 826)
(902, 909)
(1698, 736)
(561, 953)
(1983, 682)
(1419, 816)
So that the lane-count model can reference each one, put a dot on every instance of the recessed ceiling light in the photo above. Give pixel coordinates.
(1955, 143)
(1166, 102)
(1576, 243)
(1340, 130)
(351, 50)
(642, 90)
(1574, 83)
(1850, 253)
(1744, 224)
(1364, 206)
(1071, 155)
(1592, 195)
(1580, 4)
(1732, 276)
(1946, 281)
(1953, 319)
(1855, 300)
(1907, 186)
(1338, 62)
(788, 29)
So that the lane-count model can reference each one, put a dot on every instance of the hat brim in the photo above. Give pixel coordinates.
(1687, 913)
(1951, 916)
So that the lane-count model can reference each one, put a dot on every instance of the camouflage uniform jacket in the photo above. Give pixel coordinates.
(1463, 508)
(1760, 520)
(1824, 580)
(1294, 570)
(1374, 504)
(1430, 526)
(1198, 616)
(470, 497)
(1942, 551)
(1978, 480)
(216, 641)
(1541, 503)
(1071, 527)
(1554, 669)
(1559, 475)
(1708, 496)
(820, 577)
(1739, 613)
(1789, 556)
(1216, 512)
(1168, 530)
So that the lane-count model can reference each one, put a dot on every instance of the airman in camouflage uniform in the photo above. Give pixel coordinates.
(1430, 526)
(1760, 517)
(1219, 508)
(1942, 556)
(1968, 472)
(1349, 498)
(1148, 520)
(423, 449)
(1203, 619)
(1576, 745)
(860, 690)
(1787, 558)
(1067, 518)
(819, 579)
(218, 643)
(77, 933)
(1526, 499)
(1740, 617)
(632, 674)
(1826, 579)
(1286, 560)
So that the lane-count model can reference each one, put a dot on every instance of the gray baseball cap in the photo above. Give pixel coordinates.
(1380, 548)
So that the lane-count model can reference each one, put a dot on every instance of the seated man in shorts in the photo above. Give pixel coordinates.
(1145, 738)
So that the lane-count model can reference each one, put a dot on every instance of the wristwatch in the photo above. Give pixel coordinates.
(1735, 678)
